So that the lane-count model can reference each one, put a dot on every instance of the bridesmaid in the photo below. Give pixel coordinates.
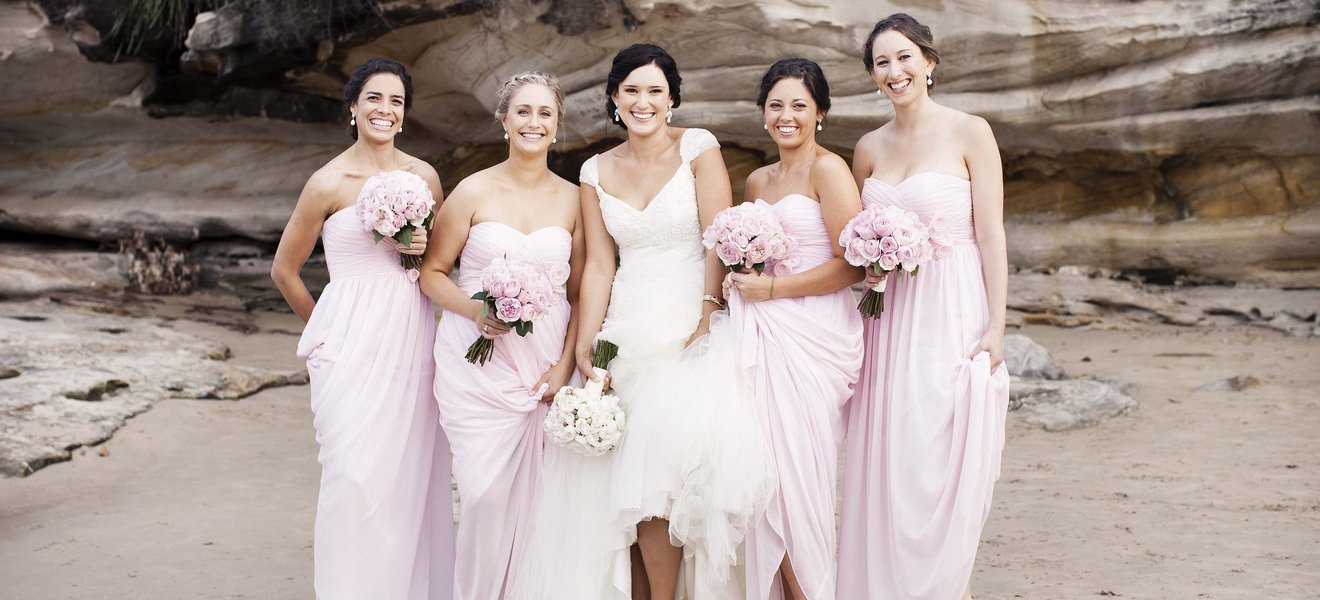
(926, 427)
(384, 520)
(801, 337)
(493, 413)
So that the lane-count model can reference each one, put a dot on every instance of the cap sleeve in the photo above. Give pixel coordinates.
(590, 173)
(695, 141)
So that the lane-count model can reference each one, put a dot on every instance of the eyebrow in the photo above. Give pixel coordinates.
(899, 52)
(399, 96)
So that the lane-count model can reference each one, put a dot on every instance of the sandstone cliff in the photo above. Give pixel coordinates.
(1168, 136)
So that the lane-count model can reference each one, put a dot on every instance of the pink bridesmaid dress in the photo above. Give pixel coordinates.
(384, 516)
(493, 422)
(802, 356)
(926, 426)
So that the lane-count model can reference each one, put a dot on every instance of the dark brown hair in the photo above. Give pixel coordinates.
(911, 29)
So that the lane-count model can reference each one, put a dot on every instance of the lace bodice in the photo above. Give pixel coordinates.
(655, 301)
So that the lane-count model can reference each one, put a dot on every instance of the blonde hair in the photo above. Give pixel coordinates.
(525, 78)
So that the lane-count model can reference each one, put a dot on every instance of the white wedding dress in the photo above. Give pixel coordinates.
(691, 451)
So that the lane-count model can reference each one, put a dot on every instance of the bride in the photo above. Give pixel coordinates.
(690, 474)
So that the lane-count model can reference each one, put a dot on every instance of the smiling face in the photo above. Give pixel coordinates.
(899, 67)
(532, 119)
(791, 114)
(379, 108)
(643, 99)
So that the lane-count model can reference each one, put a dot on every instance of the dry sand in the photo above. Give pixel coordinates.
(1198, 494)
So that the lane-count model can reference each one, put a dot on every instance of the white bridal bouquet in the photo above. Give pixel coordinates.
(585, 420)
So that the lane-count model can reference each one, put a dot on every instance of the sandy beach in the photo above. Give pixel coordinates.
(1196, 494)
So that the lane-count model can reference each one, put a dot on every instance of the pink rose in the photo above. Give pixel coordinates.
(728, 254)
(558, 273)
(529, 312)
(887, 262)
(871, 250)
(508, 309)
(887, 244)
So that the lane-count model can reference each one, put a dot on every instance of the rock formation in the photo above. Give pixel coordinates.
(1161, 136)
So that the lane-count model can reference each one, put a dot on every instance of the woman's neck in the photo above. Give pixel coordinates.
(379, 157)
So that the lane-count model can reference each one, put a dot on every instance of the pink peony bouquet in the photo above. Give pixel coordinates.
(394, 204)
(748, 236)
(586, 420)
(885, 239)
(517, 293)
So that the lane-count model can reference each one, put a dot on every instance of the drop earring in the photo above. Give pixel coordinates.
(765, 126)
(820, 125)
(929, 81)
(617, 118)
(669, 117)
(506, 134)
(401, 129)
(554, 140)
(352, 121)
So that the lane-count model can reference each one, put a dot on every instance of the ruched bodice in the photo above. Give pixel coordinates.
(549, 247)
(801, 219)
(929, 194)
(350, 250)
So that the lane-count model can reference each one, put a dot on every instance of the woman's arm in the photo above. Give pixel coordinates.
(986, 171)
(298, 241)
(839, 202)
(714, 194)
(596, 279)
(559, 373)
(863, 159)
(452, 225)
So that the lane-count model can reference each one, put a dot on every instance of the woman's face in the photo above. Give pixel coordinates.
(643, 99)
(790, 113)
(532, 120)
(899, 67)
(379, 108)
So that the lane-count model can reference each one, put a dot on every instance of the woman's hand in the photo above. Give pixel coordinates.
(754, 287)
(487, 325)
(554, 378)
(992, 342)
(872, 280)
(583, 354)
(418, 245)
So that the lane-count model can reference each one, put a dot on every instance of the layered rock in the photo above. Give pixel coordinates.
(1156, 135)
(71, 375)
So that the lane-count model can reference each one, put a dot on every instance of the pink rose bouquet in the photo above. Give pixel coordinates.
(517, 293)
(394, 204)
(748, 236)
(885, 239)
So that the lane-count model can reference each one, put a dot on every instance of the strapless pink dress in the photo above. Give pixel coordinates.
(802, 356)
(493, 424)
(384, 516)
(926, 426)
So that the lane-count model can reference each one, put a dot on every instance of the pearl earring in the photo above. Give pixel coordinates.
(617, 118)
(820, 126)
(506, 134)
(669, 117)
(765, 126)
(554, 140)
(352, 121)
(401, 129)
(929, 81)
